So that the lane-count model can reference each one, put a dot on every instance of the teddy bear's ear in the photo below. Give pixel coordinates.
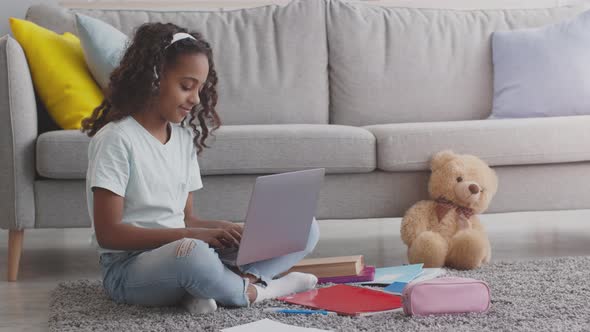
(441, 158)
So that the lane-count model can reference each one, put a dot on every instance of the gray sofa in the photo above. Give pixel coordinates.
(369, 93)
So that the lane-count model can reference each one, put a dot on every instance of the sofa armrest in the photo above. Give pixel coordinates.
(18, 133)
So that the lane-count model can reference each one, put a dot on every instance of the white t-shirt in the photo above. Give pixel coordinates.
(154, 178)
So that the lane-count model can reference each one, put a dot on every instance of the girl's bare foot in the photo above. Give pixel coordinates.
(252, 293)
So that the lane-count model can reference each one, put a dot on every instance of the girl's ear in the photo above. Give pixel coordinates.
(441, 158)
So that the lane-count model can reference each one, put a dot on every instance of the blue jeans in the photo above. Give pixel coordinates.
(163, 276)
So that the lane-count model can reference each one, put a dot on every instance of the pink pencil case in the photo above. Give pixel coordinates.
(451, 295)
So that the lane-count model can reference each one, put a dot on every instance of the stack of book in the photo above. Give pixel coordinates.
(352, 269)
(339, 270)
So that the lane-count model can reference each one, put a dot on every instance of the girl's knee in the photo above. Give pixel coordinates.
(196, 257)
(184, 247)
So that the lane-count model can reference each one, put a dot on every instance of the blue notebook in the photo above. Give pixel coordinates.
(397, 287)
(393, 274)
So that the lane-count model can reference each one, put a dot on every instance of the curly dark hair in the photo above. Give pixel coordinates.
(133, 83)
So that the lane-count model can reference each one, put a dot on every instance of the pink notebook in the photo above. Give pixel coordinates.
(367, 274)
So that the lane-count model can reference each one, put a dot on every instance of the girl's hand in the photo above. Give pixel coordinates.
(223, 224)
(216, 237)
(230, 226)
(233, 228)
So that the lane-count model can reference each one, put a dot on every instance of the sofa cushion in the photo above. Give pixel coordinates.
(409, 146)
(271, 61)
(259, 149)
(392, 65)
(542, 71)
(60, 75)
(103, 47)
(246, 149)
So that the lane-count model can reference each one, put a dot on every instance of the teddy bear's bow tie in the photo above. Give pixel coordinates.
(443, 206)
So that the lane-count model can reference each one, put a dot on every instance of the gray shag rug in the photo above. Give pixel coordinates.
(542, 295)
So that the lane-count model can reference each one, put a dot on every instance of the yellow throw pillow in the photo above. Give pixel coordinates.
(60, 75)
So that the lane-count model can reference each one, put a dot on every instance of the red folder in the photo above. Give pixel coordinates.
(347, 300)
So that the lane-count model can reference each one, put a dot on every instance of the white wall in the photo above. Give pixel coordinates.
(16, 8)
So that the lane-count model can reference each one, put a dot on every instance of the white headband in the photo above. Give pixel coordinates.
(176, 37)
(179, 36)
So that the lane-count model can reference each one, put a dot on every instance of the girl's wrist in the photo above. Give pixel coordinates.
(201, 223)
(209, 223)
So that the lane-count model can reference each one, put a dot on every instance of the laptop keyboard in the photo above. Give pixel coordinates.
(228, 253)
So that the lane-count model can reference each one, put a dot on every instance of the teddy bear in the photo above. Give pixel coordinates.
(445, 230)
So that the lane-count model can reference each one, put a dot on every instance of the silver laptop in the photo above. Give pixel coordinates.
(282, 208)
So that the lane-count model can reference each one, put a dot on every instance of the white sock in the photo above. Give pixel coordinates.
(293, 282)
(198, 305)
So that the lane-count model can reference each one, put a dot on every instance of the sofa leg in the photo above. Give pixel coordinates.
(15, 247)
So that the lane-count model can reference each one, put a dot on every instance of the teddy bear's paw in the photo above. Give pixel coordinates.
(428, 248)
(467, 250)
